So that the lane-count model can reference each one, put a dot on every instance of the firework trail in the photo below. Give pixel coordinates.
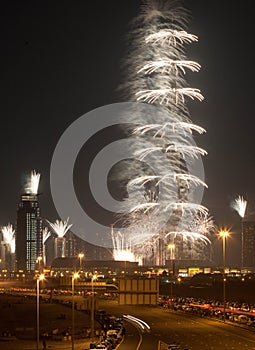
(45, 235)
(239, 205)
(156, 68)
(60, 227)
(9, 237)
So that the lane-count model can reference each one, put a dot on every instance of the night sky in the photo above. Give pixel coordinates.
(61, 59)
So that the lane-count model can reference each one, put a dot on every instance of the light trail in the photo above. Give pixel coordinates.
(138, 321)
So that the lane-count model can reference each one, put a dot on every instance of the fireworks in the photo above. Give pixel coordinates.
(167, 96)
(46, 234)
(170, 37)
(239, 205)
(169, 66)
(121, 251)
(60, 227)
(204, 224)
(9, 236)
(161, 130)
(33, 183)
(156, 67)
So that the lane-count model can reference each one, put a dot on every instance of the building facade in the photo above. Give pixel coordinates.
(28, 233)
(248, 243)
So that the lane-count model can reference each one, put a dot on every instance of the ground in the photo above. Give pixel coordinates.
(18, 324)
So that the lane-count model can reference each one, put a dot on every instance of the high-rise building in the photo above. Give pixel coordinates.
(28, 233)
(248, 242)
(60, 247)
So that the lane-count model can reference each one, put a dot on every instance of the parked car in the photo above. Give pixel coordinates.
(102, 347)
(243, 319)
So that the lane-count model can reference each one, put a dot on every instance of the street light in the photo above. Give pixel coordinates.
(223, 234)
(171, 246)
(94, 277)
(38, 279)
(74, 277)
(80, 256)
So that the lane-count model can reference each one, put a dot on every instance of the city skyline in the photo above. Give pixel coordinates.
(59, 67)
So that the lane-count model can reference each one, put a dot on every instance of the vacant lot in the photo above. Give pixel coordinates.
(18, 317)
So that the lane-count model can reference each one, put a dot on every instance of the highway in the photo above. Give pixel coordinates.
(190, 331)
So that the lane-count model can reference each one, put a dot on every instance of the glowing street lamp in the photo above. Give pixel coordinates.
(224, 234)
(38, 279)
(80, 256)
(74, 277)
(93, 278)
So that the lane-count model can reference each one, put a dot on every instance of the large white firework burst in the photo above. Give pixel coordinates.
(156, 69)
(60, 227)
(239, 205)
(33, 183)
(9, 236)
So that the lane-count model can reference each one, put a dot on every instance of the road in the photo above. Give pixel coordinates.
(190, 331)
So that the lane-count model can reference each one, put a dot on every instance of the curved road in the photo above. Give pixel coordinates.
(190, 331)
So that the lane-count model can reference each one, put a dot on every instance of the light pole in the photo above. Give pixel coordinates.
(38, 279)
(80, 256)
(223, 234)
(94, 277)
(74, 277)
(171, 246)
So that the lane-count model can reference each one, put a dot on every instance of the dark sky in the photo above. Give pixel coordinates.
(61, 59)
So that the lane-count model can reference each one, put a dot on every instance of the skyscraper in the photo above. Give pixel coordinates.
(248, 253)
(29, 227)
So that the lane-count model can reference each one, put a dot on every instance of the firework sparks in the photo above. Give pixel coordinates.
(170, 37)
(161, 130)
(167, 66)
(239, 205)
(46, 234)
(33, 183)
(170, 95)
(143, 180)
(204, 224)
(60, 227)
(121, 250)
(189, 235)
(9, 236)
(190, 151)
(189, 208)
(156, 69)
(145, 207)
